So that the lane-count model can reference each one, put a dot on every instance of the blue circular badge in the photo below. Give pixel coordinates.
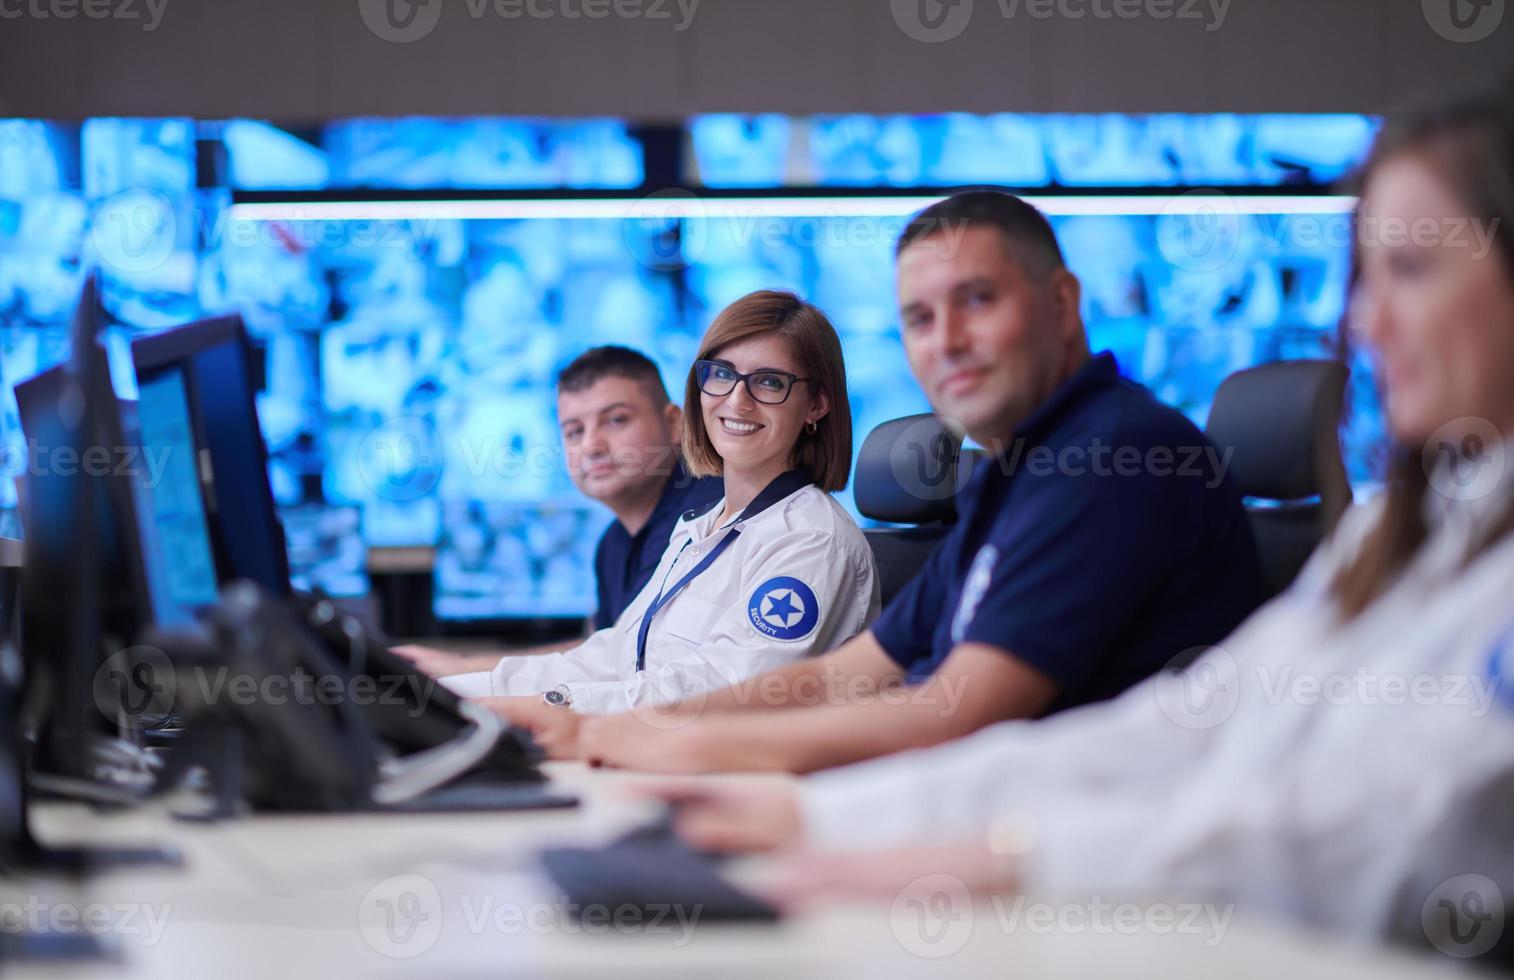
(784, 608)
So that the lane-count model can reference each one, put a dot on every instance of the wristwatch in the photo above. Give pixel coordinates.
(558, 697)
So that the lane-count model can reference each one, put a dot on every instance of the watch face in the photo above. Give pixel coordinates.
(556, 697)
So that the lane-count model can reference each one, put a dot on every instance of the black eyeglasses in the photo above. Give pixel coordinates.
(769, 387)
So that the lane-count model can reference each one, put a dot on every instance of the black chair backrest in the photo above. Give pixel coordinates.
(909, 472)
(1280, 423)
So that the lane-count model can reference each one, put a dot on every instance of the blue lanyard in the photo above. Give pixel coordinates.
(780, 488)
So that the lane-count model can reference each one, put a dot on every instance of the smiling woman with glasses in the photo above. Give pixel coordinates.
(774, 571)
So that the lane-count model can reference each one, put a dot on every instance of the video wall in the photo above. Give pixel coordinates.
(409, 350)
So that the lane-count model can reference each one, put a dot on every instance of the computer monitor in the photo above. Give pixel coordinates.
(185, 565)
(197, 389)
(85, 585)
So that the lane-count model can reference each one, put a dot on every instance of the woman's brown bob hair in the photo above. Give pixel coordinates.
(826, 454)
(1471, 145)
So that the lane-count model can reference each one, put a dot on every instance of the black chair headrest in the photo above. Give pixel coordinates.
(1282, 422)
(910, 470)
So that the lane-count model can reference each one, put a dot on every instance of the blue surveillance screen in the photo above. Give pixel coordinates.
(407, 356)
(177, 504)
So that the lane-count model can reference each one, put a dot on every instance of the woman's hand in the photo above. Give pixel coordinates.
(552, 728)
(440, 663)
(628, 741)
(808, 878)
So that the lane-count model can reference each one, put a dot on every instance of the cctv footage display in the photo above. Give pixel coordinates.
(408, 354)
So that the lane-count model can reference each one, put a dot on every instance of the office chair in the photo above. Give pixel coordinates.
(1282, 421)
(909, 472)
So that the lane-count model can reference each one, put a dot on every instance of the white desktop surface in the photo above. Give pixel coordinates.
(303, 896)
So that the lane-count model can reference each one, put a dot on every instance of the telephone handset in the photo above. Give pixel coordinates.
(293, 705)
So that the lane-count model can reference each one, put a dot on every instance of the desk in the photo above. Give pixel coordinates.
(459, 895)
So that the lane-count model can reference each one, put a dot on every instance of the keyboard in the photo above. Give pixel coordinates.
(651, 869)
(474, 798)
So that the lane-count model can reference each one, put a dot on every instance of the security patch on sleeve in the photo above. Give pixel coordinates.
(979, 576)
(784, 608)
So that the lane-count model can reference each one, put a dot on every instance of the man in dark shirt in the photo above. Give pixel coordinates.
(1098, 541)
(621, 434)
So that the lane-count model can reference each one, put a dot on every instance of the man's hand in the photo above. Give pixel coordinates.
(734, 817)
(554, 729)
(440, 663)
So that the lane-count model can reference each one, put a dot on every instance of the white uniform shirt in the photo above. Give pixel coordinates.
(798, 580)
(1332, 776)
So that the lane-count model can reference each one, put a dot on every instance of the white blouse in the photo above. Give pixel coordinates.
(1333, 775)
(799, 580)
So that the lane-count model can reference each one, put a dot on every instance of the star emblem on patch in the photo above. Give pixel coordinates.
(782, 608)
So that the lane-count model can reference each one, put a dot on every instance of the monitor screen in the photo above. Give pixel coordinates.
(186, 566)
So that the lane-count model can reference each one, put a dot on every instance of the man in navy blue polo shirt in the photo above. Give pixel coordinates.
(621, 434)
(1099, 541)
